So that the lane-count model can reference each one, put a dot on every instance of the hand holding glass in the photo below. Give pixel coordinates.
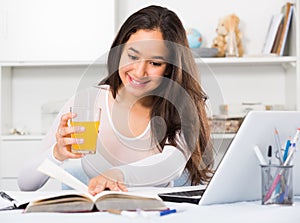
(89, 118)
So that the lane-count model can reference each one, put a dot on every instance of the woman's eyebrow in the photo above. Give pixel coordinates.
(158, 58)
(153, 57)
(134, 50)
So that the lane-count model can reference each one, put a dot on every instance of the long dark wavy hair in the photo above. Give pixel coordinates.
(188, 119)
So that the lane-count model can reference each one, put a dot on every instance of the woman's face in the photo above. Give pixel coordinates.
(143, 62)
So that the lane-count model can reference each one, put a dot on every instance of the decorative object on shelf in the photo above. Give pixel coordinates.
(194, 38)
(240, 110)
(223, 124)
(204, 52)
(229, 38)
(15, 131)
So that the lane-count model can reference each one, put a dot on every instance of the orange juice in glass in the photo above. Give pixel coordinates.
(89, 118)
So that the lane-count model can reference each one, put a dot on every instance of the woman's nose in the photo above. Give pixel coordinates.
(140, 68)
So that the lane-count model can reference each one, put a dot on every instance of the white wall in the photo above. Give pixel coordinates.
(57, 30)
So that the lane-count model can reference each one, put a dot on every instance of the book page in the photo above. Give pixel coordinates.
(58, 173)
(23, 197)
(132, 194)
(51, 169)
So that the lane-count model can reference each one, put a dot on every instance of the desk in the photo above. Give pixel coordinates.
(241, 212)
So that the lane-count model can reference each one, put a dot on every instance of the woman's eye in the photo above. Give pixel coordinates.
(157, 64)
(132, 57)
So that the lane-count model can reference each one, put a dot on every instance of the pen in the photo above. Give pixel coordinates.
(278, 145)
(283, 190)
(296, 137)
(286, 151)
(166, 212)
(273, 186)
(290, 155)
(8, 198)
(259, 155)
(270, 154)
(133, 214)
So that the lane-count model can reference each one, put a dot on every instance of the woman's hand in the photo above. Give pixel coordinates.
(110, 179)
(62, 149)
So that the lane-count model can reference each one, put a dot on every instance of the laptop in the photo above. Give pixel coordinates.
(238, 176)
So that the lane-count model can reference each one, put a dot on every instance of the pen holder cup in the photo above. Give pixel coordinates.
(277, 184)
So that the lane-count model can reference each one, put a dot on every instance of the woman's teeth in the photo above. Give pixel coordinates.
(137, 82)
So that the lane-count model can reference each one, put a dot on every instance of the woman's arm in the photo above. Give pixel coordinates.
(29, 178)
(155, 170)
(57, 143)
(158, 169)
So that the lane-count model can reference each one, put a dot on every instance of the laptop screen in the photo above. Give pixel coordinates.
(237, 178)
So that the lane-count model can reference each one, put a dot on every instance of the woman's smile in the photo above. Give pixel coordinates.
(136, 82)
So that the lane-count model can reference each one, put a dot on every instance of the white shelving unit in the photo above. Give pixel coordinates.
(26, 86)
(266, 60)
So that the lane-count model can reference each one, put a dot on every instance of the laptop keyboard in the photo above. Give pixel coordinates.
(191, 196)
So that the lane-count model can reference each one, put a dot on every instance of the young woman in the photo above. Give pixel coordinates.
(153, 123)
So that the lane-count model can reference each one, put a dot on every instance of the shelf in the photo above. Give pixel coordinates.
(223, 135)
(214, 60)
(263, 60)
(49, 63)
(35, 137)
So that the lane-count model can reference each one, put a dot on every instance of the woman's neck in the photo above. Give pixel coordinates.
(129, 100)
(130, 115)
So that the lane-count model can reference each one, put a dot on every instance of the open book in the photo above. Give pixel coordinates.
(81, 201)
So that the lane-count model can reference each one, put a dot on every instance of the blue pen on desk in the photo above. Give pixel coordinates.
(166, 212)
(148, 214)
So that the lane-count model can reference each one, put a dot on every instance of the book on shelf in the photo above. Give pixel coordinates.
(273, 28)
(81, 201)
(277, 39)
(287, 11)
